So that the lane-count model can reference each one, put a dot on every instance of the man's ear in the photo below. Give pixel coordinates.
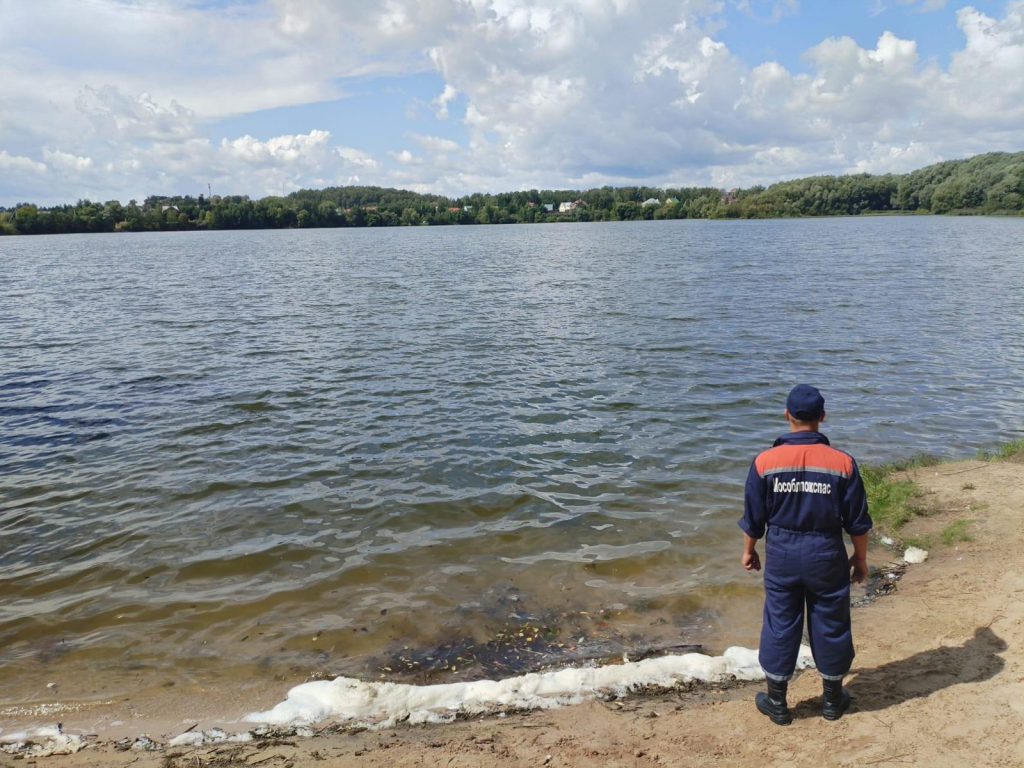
(822, 415)
(785, 415)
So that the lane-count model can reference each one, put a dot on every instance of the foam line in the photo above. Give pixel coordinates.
(347, 699)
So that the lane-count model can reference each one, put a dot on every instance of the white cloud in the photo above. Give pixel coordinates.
(279, 165)
(114, 113)
(882, 158)
(777, 9)
(280, 149)
(405, 157)
(19, 163)
(66, 161)
(442, 100)
(924, 5)
(611, 92)
(356, 157)
(219, 59)
(243, 165)
(436, 144)
(555, 93)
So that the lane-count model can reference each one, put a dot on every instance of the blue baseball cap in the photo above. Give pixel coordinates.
(805, 403)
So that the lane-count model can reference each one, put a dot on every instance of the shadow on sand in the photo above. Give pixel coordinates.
(920, 675)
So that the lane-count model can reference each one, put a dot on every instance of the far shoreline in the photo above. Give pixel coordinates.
(986, 184)
(562, 222)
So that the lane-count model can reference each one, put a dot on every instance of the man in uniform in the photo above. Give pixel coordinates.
(805, 493)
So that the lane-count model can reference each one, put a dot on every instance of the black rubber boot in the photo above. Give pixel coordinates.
(834, 700)
(773, 703)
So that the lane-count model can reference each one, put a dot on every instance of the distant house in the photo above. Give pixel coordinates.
(168, 207)
(531, 204)
(651, 202)
(454, 209)
(730, 197)
(467, 208)
(566, 207)
(549, 207)
(672, 201)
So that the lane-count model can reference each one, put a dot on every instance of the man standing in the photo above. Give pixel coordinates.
(805, 494)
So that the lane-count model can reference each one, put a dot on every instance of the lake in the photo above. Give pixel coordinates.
(239, 456)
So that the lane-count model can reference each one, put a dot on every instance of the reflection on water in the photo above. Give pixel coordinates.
(268, 452)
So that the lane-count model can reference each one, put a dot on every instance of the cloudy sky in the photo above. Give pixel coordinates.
(124, 98)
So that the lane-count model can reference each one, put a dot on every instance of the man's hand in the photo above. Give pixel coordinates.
(751, 561)
(858, 569)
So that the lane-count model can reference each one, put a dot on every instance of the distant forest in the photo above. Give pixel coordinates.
(986, 184)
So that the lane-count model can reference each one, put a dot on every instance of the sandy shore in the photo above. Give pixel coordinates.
(938, 681)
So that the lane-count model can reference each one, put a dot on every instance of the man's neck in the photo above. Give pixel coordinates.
(803, 427)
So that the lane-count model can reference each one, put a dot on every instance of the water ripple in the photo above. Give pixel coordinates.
(209, 436)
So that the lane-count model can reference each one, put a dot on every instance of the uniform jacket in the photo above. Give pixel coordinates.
(803, 484)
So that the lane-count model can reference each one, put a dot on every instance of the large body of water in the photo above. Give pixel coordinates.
(272, 453)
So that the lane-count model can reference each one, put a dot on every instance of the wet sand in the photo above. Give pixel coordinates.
(163, 701)
(939, 680)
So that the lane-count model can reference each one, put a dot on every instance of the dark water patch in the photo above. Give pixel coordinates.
(215, 427)
(266, 353)
(32, 410)
(617, 406)
(256, 407)
(159, 383)
(83, 423)
(146, 380)
(673, 349)
(52, 440)
(29, 384)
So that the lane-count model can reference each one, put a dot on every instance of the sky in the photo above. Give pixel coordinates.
(120, 99)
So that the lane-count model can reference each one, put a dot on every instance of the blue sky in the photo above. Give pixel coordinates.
(935, 31)
(123, 98)
(377, 113)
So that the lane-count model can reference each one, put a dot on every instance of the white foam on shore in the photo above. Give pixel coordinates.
(348, 699)
(915, 555)
(213, 736)
(40, 742)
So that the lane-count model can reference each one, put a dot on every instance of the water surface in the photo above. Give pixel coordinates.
(268, 453)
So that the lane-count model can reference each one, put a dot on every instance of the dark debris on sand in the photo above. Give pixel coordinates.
(882, 581)
(520, 647)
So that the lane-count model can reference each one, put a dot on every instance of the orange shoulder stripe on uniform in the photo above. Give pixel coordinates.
(815, 457)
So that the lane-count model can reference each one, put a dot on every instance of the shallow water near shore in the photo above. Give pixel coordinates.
(239, 458)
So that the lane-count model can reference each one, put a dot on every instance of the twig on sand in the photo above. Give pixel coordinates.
(961, 471)
(887, 725)
(265, 759)
(887, 759)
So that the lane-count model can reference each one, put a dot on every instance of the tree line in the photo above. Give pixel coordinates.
(992, 183)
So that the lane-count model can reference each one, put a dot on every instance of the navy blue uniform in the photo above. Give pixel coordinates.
(804, 494)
